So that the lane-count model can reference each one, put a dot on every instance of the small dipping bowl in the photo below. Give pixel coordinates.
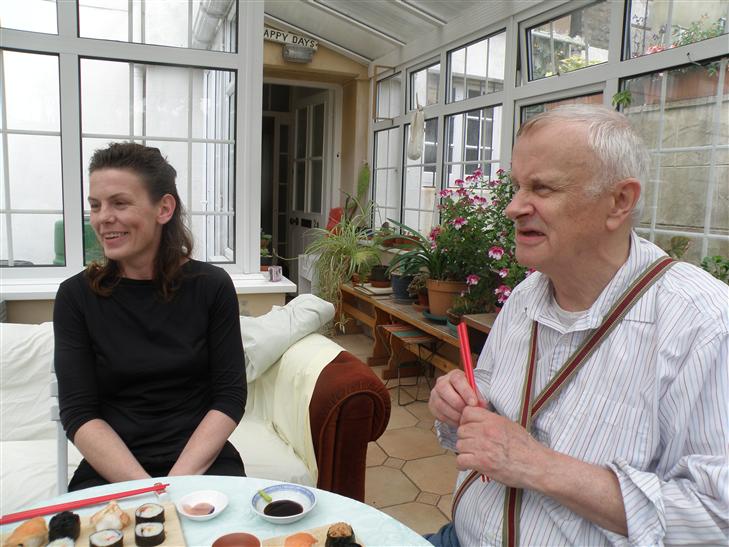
(215, 498)
(237, 539)
(291, 492)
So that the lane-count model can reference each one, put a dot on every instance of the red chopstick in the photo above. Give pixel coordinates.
(468, 363)
(31, 513)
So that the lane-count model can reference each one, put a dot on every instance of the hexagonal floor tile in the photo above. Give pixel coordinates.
(436, 474)
(422, 518)
(410, 443)
(400, 417)
(375, 454)
(385, 486)
(444, 504)
(420, 411)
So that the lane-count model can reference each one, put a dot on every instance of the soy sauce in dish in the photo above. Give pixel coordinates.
(283, 508)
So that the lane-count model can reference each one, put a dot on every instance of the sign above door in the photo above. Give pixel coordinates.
(282, 37)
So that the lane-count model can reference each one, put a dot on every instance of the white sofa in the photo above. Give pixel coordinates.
(294, 428)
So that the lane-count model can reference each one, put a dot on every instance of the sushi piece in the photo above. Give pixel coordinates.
(110, 517)
(106, 538)
(302, 539)
(64, 525)
(149, 534)
(149, 512)
(340, 534)
(32, 533)
(62, 542)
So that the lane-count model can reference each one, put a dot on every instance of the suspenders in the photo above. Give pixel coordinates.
(530, 407)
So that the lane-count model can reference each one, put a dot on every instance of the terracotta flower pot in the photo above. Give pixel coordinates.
(442, 293)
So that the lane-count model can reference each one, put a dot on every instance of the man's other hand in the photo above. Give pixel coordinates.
(498, 447)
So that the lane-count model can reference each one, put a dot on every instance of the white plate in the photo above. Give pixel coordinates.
(301, 495)
(213, 497)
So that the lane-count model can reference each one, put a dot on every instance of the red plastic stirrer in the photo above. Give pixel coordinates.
(467, 363)
(40, 511)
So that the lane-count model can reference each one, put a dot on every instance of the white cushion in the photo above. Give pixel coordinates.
(266, 456)
(28, 473)
(26, 354)
(267, 337)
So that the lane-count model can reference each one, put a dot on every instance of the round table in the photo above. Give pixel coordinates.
(374, 528)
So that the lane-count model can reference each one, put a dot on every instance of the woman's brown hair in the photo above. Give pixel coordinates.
(159, 179)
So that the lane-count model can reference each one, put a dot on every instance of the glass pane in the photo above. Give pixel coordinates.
(316, 183)
(676, 113)
(300, 180)
(317, 137)
(424, 86)
(497, 60)
(389, 97)
(570, 42)
(105, 83)
(30, 15)
(689, 22)
(35, 184)
(457, 66)
(301, 133)
(280, 98)
(38, 250)
(166, 108)
(161, 22)
(473, 142)
(31, 91)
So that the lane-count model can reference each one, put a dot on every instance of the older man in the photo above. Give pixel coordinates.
(629, 445)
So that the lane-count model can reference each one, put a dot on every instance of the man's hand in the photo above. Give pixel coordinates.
(450, 396)
(500, 448)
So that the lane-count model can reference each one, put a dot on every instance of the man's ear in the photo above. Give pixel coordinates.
(166, 208)
(625, 195)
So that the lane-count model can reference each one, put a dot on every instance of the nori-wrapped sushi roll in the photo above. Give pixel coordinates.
(149, 512)
(64, 525)
(62, 542)
(340, 534)
(149, 534)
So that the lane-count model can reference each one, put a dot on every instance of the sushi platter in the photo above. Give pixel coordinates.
(86, 527)
(314, 537)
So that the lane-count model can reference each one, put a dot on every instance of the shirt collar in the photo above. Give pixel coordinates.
(642, 254)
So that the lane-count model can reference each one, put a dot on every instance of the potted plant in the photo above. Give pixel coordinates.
(343, 251)
(718, 266)
(418, 289)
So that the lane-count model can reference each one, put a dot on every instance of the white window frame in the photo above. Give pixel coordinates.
(248, 65)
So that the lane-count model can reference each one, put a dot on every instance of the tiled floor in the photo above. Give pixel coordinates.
(409, 476)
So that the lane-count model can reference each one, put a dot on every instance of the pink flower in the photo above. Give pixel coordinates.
(503, 292)
(472, 279)
(445, 193)
(503, 272)
(529, 272)
(477, 173)
(434, 233)
(496, 252)
(459, 222)
(470, 178)
(500, 172)
(459, 182)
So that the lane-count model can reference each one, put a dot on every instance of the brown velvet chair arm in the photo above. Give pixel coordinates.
(349, 408)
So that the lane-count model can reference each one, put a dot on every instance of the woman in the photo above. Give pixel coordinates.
(148, 349)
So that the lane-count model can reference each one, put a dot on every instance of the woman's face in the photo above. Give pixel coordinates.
(126, 222)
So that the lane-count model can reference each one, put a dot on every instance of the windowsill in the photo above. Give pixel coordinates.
(45, 289)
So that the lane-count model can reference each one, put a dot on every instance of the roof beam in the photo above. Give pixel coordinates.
(348, 19)
(421, 13)
(331, 45)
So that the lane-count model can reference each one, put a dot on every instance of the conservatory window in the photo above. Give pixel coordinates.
(528, 112)
(424, 85)
(389, 97)
(681, 113)
(472, 142)
(657, 25)
(194, 25)
(188, 114)
(569, 42)
(420, 186)
(386, 176)
(36, 16)
(31, 193)
(477, 69)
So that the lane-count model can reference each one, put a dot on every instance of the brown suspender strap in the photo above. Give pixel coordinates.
(512, 500)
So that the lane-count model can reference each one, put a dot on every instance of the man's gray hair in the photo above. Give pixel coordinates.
(620, 152)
